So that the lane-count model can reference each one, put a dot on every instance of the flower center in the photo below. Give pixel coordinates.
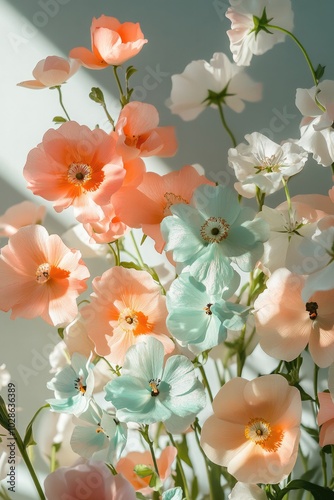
(154, 383)
(269, 164)
(172, 199)
(311, 308)
(79, 385)
(134, 321)
(43, 273)
(207, 309)
(214, 230)
(46, 271)
(79, 173)
(260, 432)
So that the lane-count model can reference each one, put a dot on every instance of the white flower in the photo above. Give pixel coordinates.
(316, 128)
(4, 376)
(243, 491)
(286, 233)
(264, 164)
(245, 38)
(190, 89)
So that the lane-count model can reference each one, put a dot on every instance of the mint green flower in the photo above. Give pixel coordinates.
(73, 386)
(213, 232)
(149, 392)
(200, 320)
(99, 435)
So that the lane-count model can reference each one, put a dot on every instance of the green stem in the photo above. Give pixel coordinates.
(117, 261)
(103, 104)
(61, 101)
(140, 259)
(197, 427)
(206, 382)
(308, 60)
(315, 384)
(181, 470)
(123, 99)
(324, 467)
(226, 127)
(144, 433)
(28, 463)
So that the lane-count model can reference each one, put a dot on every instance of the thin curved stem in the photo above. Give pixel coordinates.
(61, 102)
(308, 60)
(181, 470)
(206, 382)
(226, 127)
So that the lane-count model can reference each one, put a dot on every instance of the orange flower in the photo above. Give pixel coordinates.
(112, 43)
(40, 276)
(126, 306)
(326, 419)
(20, 215)
(51, 72)
(150, 203)
(126, 466)
(139, 134)
(254, 430)
(75, 166)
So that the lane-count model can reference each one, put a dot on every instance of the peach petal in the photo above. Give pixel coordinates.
(87, 58)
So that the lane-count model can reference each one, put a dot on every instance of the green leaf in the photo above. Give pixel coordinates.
(183, 451)
(61, 333)
(143, 470)
(129, 72)
(319, 72)
(130, 265)
(143, 239)
(140, 496)
(194, 488)
(29, 438)
(96, 95)
(3, 414)
(318, 492)
(59, 119)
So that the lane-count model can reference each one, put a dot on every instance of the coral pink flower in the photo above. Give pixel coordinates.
(150, 203)
(326, 419)
(89, 481)
(51, 72)
(139, 134)
(108, 229)
(20, 215)
(126, 466)
(254, 430)
(126, 306)
(75, 166)
(286, 324)
(40, 276)
(112, 43)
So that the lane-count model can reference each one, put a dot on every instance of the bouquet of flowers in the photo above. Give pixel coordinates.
(148, 382)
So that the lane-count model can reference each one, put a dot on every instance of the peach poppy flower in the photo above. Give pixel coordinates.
(255, 429)
(108, 229)
(126, 465)
(75, 166)
(51, 72)
(139, 134)
(150, 203)
(126, 306)
(285, 324)
(40, 276)
(325, 418)
(20, 215)
(112, 43)
(89, 480)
